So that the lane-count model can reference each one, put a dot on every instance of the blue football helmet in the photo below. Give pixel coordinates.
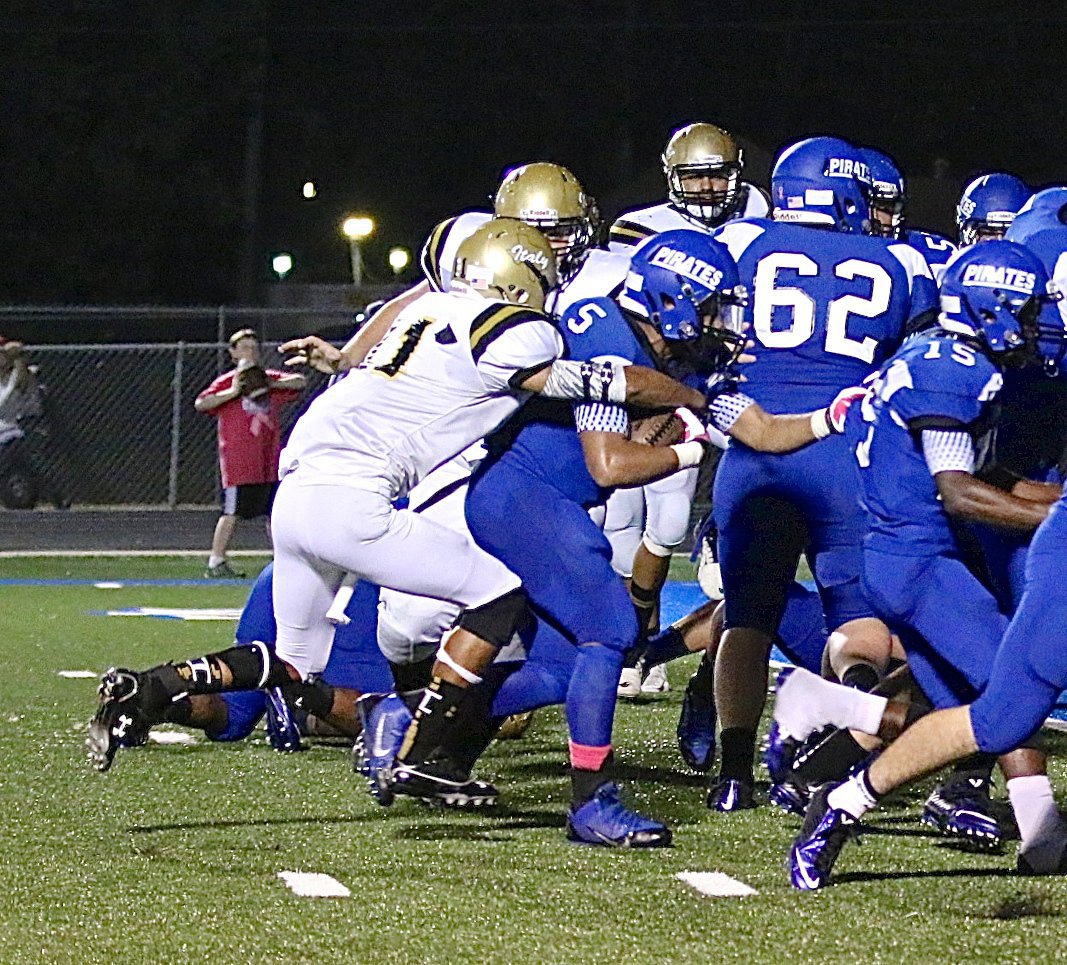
(999, 294)
(679, 278)
(886, 195)
(822, 181)
(988, 206)
(1046, 209)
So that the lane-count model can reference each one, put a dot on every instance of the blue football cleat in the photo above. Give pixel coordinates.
(696, 725)
(778, 755)
(282, 730)
(964, 811)
(822, 836)
(728, 795)
(789, 797)
(605, 820)
(385, 719)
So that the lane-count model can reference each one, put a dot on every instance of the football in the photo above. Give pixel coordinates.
(658, 429)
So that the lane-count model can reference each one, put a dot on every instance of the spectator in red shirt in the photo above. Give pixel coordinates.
(247, 402)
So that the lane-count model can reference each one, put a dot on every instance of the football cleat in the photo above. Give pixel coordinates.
(963, 810)
(222, 572)
(696, 723)
(119, 721)
(605, 820)
(728, 795)
(822, 836)
(789, 797)
(778, 754)
(442, 783)
(385, 719)
(282, 730)
(630, 682)
(655, 681)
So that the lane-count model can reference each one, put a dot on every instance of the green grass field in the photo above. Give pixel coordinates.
(173, 855)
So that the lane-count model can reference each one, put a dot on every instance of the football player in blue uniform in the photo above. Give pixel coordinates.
(917, 440)
(887, 198)
(542, 471)
(828, 304)
(1025, 681)
(988, 206)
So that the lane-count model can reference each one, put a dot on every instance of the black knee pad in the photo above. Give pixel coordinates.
(497, 621)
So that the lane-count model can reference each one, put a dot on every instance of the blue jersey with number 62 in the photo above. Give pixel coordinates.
(933, 382)
(825, 308)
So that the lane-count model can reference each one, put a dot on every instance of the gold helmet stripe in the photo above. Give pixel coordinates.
(430, 258)
(494, 322)
(629, 233)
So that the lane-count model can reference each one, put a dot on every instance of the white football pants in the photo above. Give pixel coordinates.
(322, 532)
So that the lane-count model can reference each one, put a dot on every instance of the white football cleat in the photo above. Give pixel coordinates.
(656, 681)
(630, 682)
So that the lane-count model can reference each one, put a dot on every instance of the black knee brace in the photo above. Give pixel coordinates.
(497, 621)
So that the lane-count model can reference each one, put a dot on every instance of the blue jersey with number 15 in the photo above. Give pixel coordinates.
(825, 308)
(934, 382)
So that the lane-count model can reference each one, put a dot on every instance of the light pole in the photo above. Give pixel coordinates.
(399, 259)
(357, 228)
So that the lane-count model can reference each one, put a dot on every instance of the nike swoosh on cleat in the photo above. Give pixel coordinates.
(380, 749)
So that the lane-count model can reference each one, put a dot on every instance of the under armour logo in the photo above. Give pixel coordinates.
(123, 725)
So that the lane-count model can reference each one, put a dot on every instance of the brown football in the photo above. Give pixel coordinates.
(661, 429)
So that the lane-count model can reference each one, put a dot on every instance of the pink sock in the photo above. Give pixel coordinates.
(588, 758)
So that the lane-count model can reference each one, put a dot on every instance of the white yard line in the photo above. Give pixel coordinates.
(309, 884)
(715, 884)
(171, 737)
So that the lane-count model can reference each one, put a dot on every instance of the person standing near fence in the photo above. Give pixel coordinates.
(247, 403)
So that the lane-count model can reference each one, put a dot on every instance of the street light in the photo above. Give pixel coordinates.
(309, 190)
(399, 259)
(356, 228)
(282, 263)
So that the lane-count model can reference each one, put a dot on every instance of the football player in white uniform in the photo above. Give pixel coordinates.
(448, 371)
(702, 164)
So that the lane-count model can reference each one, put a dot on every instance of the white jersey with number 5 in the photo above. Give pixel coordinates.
(440, 379)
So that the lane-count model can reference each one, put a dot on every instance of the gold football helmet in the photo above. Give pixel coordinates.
(550, 198)
(509, 259)
(702, 164)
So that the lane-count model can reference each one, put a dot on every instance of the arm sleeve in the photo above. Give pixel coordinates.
(601, 417)
(948, 450)
(727, 409)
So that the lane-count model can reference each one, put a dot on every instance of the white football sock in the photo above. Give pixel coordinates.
(213, 561)
(807, 703)
(853, 796)
(1043, 833)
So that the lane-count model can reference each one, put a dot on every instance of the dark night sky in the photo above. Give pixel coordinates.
(125, 133)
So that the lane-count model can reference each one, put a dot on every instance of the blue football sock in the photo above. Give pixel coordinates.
(591, 694)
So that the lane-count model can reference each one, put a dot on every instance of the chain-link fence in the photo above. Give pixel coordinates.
(118, 425)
